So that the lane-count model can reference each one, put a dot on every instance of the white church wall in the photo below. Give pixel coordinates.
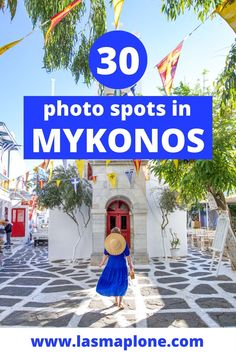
(63, 236)
(177, 222)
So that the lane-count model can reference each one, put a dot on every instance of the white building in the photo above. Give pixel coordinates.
(11, 192)
(132, 205)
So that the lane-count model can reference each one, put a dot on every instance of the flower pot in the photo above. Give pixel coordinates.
(174, 252)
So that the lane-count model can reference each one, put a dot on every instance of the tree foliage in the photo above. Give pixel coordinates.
(202, 8)
(193, 179)
(69, 45)
(227, 81)
(64, 196)
(11, 4)
(168, 204)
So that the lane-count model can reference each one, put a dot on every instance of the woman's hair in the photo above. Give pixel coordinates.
(115, 230)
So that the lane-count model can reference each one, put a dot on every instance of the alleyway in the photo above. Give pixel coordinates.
(34, 292)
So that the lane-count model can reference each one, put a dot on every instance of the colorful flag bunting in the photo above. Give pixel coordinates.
(75, 182)
(6, 184)
(167, 68)
(112, 177)
(137, 164)
(50, 170)
(129, 175)
(227, 10)
(59, 16)
(176, 163)
(58, 182)
(44, 164)
(118, 5)
(108, 162)
(89, 172)
(80, 167)
(9, 45)
(12, 44)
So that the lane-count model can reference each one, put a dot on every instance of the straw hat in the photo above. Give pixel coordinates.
(115, 244)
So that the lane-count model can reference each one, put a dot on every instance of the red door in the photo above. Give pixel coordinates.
(118, 216)
(18, 220)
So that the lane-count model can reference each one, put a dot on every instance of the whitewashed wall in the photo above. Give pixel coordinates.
(178, 222)
(63, 235)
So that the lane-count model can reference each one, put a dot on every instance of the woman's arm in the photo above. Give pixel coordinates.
(131, 267)
(104, 258)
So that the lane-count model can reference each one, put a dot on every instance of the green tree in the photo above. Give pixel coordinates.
(203, 9)
(168, 204)
(193, 179)
(11, 4)
(65, 199)
(69, 45)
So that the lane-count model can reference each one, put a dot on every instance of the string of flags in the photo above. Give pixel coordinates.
(59, 16)
(54, 21)
(167, 66)
(118, 6)
(80, 164)
(227, 10)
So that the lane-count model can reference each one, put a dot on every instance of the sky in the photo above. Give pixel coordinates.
(22, 73)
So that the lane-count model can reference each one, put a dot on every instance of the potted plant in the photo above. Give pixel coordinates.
(175, 244)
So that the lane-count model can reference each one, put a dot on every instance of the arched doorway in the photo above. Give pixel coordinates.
(118, 216)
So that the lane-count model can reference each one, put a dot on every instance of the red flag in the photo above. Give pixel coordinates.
(89, 172)
(167, 67)
(44, 164)
(60, 15)
(137, 164)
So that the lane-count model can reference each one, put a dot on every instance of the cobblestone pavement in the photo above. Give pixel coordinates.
(36, 292)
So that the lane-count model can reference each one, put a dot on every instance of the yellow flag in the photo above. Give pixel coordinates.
(50, 170)
(12, 44)
(58, 182)
(176, 162)
(227, 10)
(108, 162)
(6, 184)
(112, 179)
(118, 5)
(80, 167)
(9, 45)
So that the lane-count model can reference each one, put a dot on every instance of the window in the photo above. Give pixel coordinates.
(112, 207)
(112, 222)
(123, 222)
(123, 206)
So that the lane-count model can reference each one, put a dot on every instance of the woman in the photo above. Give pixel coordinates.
(114, 278)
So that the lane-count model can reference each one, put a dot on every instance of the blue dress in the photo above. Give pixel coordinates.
(114, 278)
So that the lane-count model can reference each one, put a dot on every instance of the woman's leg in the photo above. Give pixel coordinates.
(120, 298)
(116, 300)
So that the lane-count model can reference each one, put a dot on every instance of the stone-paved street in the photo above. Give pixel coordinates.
(35, 292)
